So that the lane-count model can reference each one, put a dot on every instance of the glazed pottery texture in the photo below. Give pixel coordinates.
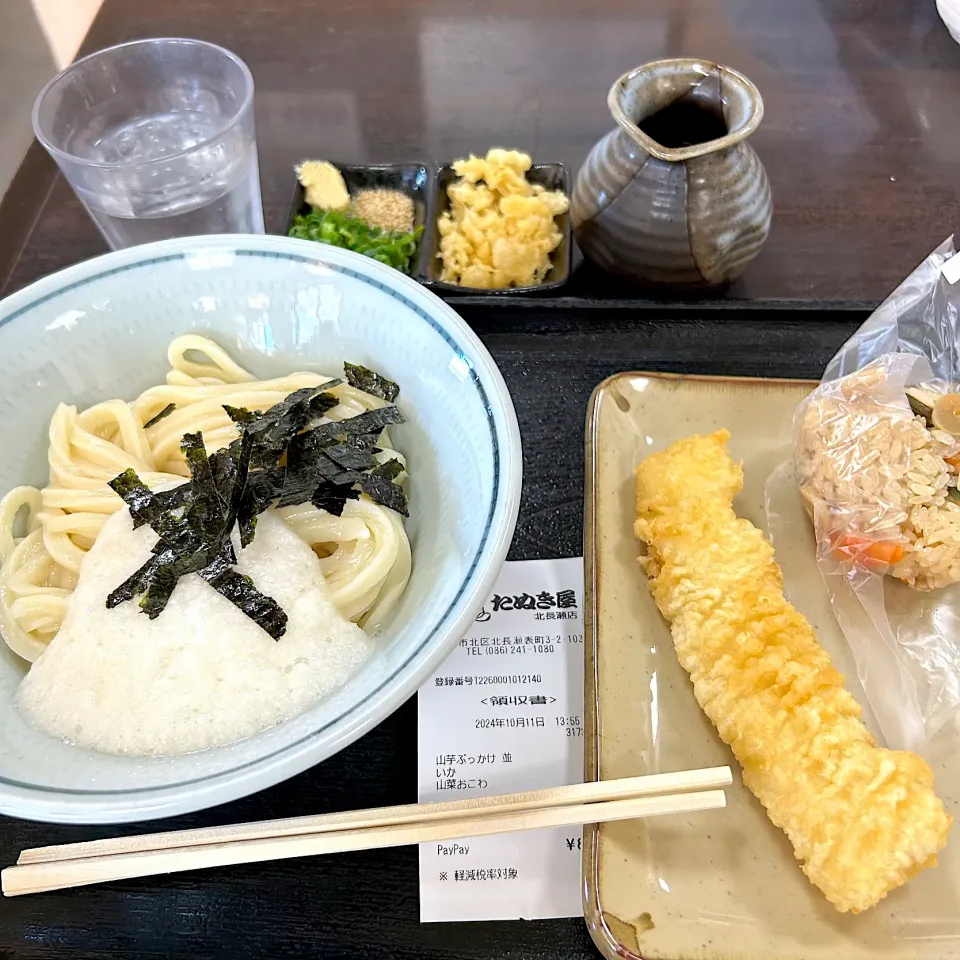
(689, 212)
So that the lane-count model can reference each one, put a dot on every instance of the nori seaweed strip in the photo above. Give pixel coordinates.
(205, 513)
(228, 553)
(241, 415)
(369, 382)
(171, 566)
(247, 518)
(137, 496)
(297, 488)
(174, 498)
(265, 484)
(322, 404)
(242, 593)
(385, 492)
(347, 456)
(158, 576)
(272, 432)
(371, 421)
(319, 404)
(307, 463)
(194, 520)
(223, 468)
(158, 586)
(135, 584)
(301, 475)
(174, 557)
(391, 469)
(243, 452)
(145, 505)
(378, 485)
(191, 543)
(345, 478)
(332, 472)
(158, 592)
(363, 441)
(177, 535)
(333, 497)
(187, 535)
(187, 544)
(263, 487)
(165, 412)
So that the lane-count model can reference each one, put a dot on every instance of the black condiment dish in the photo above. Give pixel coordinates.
(416, 180)
(553, 176)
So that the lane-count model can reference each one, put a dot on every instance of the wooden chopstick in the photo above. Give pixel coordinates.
(600, 791)
(55, 875)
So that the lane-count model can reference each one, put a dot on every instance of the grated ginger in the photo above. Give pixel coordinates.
(323, 185)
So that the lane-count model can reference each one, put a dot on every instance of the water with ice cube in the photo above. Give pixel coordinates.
(181, 177)
(157, 139)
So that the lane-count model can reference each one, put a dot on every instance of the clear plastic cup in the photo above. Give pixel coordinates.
(156, 137)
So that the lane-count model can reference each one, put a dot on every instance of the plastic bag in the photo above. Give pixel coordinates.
(876, 479)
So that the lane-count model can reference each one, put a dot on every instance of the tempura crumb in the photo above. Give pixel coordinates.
(500, 229)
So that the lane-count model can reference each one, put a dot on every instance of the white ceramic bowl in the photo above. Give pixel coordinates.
(950, 14)
(101, 329)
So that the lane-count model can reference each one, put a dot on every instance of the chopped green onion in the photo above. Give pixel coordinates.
(338, 230)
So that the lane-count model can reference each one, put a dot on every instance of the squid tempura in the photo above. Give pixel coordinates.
(862, 820)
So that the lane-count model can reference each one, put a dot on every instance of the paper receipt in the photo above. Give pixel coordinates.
(504, 713)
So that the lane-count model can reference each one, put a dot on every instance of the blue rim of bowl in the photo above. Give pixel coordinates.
(444, 621)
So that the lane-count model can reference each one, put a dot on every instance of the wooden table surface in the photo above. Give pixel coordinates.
(860, 137)
(861, 144)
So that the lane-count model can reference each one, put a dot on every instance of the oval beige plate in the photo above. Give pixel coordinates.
(721, 885)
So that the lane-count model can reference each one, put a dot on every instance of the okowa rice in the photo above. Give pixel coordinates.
(882, 475)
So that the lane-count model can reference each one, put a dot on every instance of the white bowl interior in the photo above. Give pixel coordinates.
(101, 330)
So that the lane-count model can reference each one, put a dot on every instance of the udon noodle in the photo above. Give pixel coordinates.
(45, 533)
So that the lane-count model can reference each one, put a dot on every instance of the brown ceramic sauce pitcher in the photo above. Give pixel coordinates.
(675, 195)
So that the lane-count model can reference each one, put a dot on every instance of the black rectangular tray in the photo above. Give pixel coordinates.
(415, 179)
(586, 287)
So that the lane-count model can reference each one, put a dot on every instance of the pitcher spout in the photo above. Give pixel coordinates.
(680, 109)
